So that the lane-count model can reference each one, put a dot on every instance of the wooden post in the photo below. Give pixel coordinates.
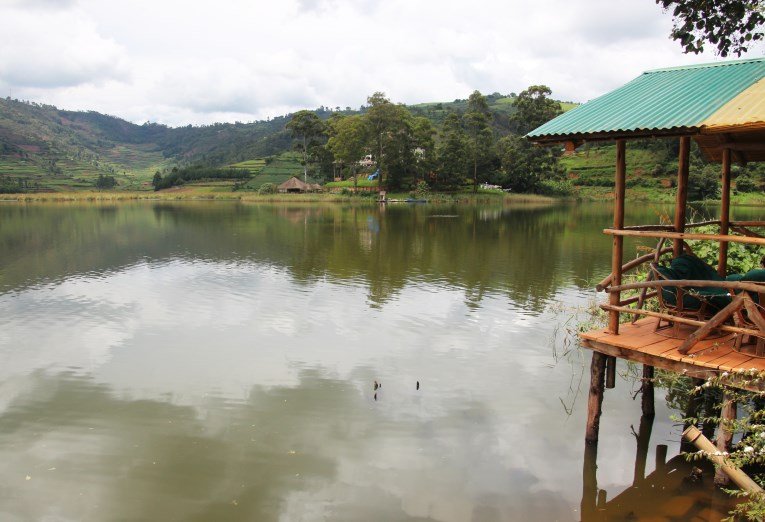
(610, 372)
(618, 241)
(725, 434)
(589, 481)
(643, 438)
(647, 401)
(661, 456)
(722, 261)
(595, 399)
(682, 191)
(692, 411)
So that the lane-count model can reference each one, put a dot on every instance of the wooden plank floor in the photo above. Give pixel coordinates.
(640, 343)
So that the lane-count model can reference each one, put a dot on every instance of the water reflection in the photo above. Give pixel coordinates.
(526, 253)
(216, 361)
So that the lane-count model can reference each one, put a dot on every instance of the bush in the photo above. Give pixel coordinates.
(421, 190)
(267, 188)
(550, 187)
(746, 184)
(703, 184)
(105, 182)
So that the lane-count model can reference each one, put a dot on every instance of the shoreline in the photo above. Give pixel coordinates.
(436, 198)
(101, 196)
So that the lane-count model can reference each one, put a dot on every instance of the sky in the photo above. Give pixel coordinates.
(198, 62)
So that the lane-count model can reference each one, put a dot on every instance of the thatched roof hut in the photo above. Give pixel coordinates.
(294, 185)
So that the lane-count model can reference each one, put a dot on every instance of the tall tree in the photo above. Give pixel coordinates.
(423, 134)
(349, 136)
(730, 25)
(382, 115)
(533, 108)
(480, 137)
(305, 125)
(451, 153)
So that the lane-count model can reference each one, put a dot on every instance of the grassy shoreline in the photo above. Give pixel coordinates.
(581, 194)
(265, 198)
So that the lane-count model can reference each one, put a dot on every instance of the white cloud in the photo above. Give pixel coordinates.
(180, 62)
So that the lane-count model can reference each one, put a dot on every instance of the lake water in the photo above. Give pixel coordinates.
(217, 361)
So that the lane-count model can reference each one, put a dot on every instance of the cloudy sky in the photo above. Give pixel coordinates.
(193, 62)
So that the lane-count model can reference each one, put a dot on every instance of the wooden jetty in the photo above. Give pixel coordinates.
(721, 106)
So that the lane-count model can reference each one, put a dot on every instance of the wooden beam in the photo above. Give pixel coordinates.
(722, 260)
(716, 320)
(686, 236)
(700, 283)
(656, 361)
(751, 146)
(681, 197)
(681, 320)
(742, 480)
(629, 266)
(595, 399)
(617, 253)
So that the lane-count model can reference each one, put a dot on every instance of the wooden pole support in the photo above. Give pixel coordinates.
(681, 198)
(595, 399)
(618, 242)
(661, 456)
(741, 479)
(643, 439)
(722, 260)
(647, 400)
(611, 372)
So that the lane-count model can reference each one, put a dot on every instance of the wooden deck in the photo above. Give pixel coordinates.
(640, 343)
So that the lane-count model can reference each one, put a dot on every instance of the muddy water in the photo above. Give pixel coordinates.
(217, 361)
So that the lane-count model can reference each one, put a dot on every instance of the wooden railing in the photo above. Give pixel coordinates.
(739, 291)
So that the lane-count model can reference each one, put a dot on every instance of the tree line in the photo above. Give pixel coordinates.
(179, 176)
(469, 148)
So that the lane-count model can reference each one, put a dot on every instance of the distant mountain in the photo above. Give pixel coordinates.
(49, 148)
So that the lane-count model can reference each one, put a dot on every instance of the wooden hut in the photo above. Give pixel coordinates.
(722, 107)
(294, 185)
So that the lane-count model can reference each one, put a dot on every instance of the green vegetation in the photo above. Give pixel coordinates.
(184, 175)
(452, 146)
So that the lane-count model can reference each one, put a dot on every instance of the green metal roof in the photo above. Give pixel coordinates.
(657, 101)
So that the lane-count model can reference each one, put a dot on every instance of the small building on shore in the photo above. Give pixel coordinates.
(295, 185)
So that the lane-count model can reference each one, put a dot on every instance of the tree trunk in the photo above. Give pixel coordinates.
(475, 174)
(305, 160)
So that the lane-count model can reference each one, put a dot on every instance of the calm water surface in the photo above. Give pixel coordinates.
(216, 361)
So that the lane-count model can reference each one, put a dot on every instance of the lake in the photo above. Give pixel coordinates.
(217, 361)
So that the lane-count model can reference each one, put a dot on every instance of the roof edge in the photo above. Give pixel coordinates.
(705, 65)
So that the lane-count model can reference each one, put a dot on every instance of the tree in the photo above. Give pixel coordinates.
(348, 140)
(533, 108)
(703, 183)
(381, 115)
(105, 182)
(451, 153)
(479, 134)
(305, 125)
(423, 134)
(526, 166)
(157, 180)
(730, 25)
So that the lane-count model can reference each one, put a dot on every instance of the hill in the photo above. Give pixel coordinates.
(43, 148)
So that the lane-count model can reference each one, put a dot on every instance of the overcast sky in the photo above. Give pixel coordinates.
(193, 62)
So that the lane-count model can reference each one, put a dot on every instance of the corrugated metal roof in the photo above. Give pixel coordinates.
(745, 110)
(658, 100)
